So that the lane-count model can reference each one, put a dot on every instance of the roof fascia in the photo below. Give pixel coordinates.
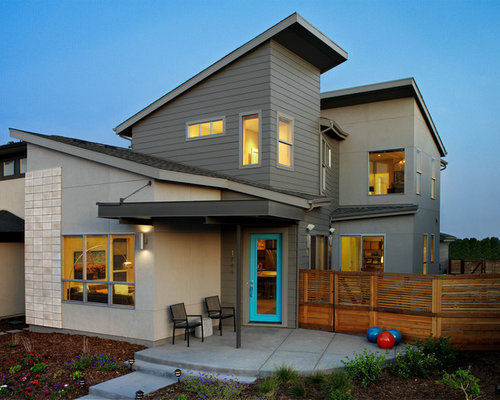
(380, 92)
(374, 215)
(122, 129)
(157, 173)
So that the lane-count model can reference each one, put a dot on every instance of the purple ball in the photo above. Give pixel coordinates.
(372, 334)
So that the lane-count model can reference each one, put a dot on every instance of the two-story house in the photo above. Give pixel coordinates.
(232, 183)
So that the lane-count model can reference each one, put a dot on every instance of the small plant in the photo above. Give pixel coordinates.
(32, 358)
(414, 362)
(80, 363)
(444, 351)
(38, 368)
(209, 386)
(268, 385)
(28, 346)
(76, 375)
(298, 388)
(58, 373)
(14, 369)
(317, 378)
(339, 394)
(337, 382)
(105, 363)
(182, 397)
(366, 368)
(285, 374)
(462, 379)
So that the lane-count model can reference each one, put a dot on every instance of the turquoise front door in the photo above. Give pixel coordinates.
(265, 277)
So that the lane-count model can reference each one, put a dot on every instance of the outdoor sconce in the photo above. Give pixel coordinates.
(141, 240)
(139, 395)
(131, 362)
(81, 382)
(178, 374)
(310, 227)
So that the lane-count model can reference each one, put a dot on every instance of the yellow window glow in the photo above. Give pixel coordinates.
(96, 257)
(285, 154)
(250, 150)
(351, 253)
(217, 127)
(285, 142)
(194, 130)
(387, 172)
(205, 129)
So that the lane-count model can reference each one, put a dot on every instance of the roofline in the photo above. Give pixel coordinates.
(390, 90)
(377, 214)
(226, 60)
(163, 174)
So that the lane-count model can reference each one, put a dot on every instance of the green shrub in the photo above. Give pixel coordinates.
(462, 379)
(14, 369)
(366, 368)
(38, 368)
(81, 362)
(76, 375)
(285, 374)
(414, 362)
(298, 389)
(317, 378)
(105, 363)
(32, 358)
(268, 385)
(339, 394)
(209, 386)
(443, 350)
(337, 381)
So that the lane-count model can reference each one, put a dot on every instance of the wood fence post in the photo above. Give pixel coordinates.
(336, 299)
(373, 300)
(436, 306)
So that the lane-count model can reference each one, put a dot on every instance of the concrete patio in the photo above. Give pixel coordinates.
(263, 350)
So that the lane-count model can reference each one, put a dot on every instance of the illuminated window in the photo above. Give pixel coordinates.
(387, 172)
(205, 128)
(326, 162)
(424, 266)
(433, 181)
(418, 178)
(250, 140)
(321, 251)
(362, 253)
(99, 269)
(432, 248)
(285, 141)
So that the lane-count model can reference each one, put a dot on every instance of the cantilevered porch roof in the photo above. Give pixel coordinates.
(345, 213)
(11, 227)
(142, 211)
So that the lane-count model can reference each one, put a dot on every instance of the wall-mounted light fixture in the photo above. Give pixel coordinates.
(142, 240)
(310, 227)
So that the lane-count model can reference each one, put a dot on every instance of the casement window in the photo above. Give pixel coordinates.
(285, 142)
(433, 181)
(206, 128)
(250, 140)
(12, 169)
(387, 172)
(424, 255)
(418, 177)
(326, 162)
(432, 248)
(99, 269)
(320, 253)
(362, 253)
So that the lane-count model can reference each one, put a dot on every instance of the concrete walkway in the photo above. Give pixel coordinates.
(262, 351)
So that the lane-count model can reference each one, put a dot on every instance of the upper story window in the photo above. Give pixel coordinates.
(250, 140)
(11, 169)
(8, 168)
(326, 162)
(285, 141)
(205, 128)
(418, 177)
(433, 181)
(99, 269)
(387, 172)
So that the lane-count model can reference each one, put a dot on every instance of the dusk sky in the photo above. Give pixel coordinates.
(79, 68)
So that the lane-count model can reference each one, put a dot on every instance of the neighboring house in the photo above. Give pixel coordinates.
(232, 183)
(445, 240)
(12, 170)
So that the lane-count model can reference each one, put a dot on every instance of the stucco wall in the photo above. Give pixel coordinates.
(12, 282)
(12, 196)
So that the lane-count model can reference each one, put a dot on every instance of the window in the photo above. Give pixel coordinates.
(250, 140)
(321, 252)
(387, 172)
(433, 181)
(23, 165)
(326, 161)
(424, 267)
(419, 171)
(432, 248)
(285, 141)
(362, 253)
(99, 269)
(205, 128)
(8, 168)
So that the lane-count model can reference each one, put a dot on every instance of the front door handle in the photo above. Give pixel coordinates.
(251, 289)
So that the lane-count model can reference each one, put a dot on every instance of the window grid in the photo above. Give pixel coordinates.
(326, 162)
(285, 142)
(419, 171)
(205, 128)
(433, 181)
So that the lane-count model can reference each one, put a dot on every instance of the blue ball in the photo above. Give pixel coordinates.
(397, 335)
(372, 333)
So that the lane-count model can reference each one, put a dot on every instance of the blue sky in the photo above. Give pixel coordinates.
(79, 68)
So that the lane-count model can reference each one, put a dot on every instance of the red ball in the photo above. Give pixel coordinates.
(385, 340)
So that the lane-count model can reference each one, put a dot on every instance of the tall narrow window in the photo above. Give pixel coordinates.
(326, 162)
(418, 177)
(23, 165)
(320, 252)
(387, 172)
(432, 248)
(8, 168)
(351, 253)
(250, 140)
(433, 181)
(424, 267)
(285, 141)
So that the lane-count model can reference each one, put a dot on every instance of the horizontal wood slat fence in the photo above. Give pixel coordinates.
(465, 307)
(477, 266)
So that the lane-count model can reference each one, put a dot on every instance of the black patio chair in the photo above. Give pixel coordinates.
(216, 311)
(181, 320)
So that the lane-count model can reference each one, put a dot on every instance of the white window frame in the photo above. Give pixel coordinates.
(324, 164)
(418, 171)
(433, 179)
(240, 146)
(403, 149)
(204, 121)
(278, 141)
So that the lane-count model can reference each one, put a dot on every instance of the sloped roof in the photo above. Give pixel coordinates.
(446, 237)
(391, 90)
(294, 32)
(10, 223)
(384, 210)
(158, 164)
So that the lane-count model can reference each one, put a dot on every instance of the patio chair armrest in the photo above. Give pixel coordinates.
(195, 315)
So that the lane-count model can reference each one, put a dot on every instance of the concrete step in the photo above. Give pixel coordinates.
(166, 370)
(124, 387)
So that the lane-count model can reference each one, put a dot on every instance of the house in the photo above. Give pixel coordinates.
(12, 170)
(232, 183)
